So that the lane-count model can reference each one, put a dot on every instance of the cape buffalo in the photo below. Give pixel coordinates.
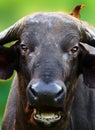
(54, 88)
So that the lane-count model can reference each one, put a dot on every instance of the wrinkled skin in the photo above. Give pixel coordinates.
(47, 57)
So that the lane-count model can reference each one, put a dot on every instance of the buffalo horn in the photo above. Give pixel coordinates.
(87, 34)
(12, 33)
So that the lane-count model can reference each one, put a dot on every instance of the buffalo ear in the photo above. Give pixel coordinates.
(87, 66)
(8, 61)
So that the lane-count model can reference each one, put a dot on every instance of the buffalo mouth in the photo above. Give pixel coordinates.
(46, 118)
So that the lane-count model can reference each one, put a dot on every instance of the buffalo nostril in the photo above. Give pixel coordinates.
(60, 94)
(32, 92)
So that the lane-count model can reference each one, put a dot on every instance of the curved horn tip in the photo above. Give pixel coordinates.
(76, 11)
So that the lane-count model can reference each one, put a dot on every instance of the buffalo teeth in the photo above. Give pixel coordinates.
(46, 115)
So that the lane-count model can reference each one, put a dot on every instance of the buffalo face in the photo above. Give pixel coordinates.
(48, 59)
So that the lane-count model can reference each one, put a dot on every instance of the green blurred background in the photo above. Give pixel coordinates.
(12, 10)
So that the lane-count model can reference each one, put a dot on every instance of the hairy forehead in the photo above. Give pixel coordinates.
(50, 27)
(51, 20)
(51, 17)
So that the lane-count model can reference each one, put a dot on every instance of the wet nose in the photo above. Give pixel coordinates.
(42, 94)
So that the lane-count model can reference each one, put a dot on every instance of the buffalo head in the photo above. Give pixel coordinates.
(48, 57)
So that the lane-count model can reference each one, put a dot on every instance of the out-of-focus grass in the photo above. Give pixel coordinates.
(4, 89)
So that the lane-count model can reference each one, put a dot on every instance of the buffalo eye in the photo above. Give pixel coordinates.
(24, 48)
(74, 49)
